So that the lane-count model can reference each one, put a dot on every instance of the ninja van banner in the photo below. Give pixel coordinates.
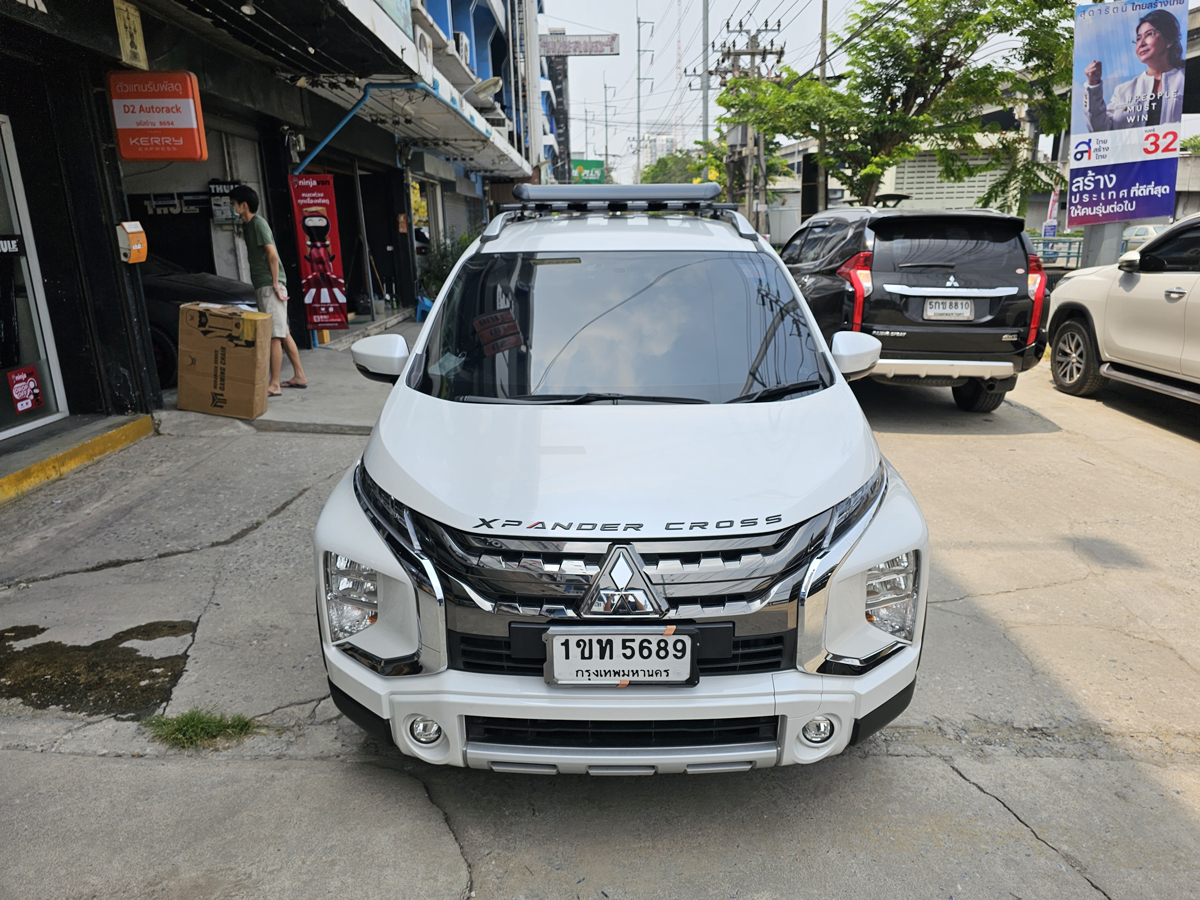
(321, 281)
(1127, 106)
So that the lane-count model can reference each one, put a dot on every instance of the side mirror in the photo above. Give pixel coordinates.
(855, 354)
(1130, 261)
(381, 357)
(1151, 263)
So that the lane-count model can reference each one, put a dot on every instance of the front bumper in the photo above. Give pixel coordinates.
(449, 697)
(856, 704)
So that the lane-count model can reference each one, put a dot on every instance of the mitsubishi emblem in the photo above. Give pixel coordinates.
(951, 282)
(621, 588)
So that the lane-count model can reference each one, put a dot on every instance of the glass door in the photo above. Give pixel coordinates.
(31, 391)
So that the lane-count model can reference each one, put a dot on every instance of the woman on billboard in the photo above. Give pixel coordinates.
(1155, 97)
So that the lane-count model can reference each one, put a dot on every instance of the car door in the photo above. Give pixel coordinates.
(1144, 319)
(1189, 365)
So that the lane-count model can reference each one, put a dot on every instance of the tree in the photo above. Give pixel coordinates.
(921, 75)
(674, 168)
(707, 163)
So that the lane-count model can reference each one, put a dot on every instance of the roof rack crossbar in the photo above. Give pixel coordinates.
(619, 206)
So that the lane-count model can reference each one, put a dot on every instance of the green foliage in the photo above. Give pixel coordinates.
(674, 168)
(707, 163)
(915, 76)
(199, 728)
(441, 259)
(1191, 145)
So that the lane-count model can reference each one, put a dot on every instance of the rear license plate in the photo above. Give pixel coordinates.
(616, 655)
(950, 310)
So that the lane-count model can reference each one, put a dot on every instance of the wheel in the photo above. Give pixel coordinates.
(974, 397)
(1074, 360)
(166, 357)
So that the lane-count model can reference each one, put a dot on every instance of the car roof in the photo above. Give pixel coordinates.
(628, 231)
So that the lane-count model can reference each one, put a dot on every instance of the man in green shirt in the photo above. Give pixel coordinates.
(270, 284)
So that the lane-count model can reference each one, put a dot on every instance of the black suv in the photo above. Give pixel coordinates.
(956, 297)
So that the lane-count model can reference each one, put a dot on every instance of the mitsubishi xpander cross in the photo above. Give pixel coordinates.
(621, 513)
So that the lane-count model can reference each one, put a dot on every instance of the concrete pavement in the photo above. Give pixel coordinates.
(1051, 749)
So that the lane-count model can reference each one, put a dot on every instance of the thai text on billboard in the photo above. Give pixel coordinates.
(1127, 107)
(320, 247)
(157, 116)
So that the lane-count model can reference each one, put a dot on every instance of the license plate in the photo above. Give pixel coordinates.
(950, 310)
(621, 656)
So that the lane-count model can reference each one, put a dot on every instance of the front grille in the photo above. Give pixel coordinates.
(590, 734)
(494, 656)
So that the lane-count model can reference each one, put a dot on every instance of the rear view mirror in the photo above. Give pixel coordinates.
(855, 354)
(1130, 261)
(381, 357)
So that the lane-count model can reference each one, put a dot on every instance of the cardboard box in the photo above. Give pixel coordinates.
(224, 360)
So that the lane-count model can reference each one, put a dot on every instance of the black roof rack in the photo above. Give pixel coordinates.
(541, 199)
(617, 193)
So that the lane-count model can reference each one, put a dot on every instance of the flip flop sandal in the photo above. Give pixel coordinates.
(289, 384)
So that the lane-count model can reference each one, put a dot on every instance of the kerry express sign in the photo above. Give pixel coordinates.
(157, 115)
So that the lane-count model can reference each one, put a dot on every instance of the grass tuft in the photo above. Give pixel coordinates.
(199, 728)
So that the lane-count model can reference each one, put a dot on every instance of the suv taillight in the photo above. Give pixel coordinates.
(1037, 293)
(857, 271)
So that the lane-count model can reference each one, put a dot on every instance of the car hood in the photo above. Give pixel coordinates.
(566, 471)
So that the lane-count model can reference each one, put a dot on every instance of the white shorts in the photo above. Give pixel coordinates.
(269, 302)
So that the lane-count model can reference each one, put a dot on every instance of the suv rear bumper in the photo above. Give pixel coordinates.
(942, 368)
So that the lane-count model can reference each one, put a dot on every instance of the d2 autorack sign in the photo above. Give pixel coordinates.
(157, 116)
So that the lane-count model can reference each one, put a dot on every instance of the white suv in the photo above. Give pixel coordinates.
(621, 513)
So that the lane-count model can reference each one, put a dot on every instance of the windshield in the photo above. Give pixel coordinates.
(646, 327)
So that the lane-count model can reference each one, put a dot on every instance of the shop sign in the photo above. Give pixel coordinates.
(587, 171)
(129, 30)
(179, 204)
(218, 198)
(1126, 110)
(11, 245)
(24, 388)
(320, 249)
(158, 116)
(579, 44)
(400, 12)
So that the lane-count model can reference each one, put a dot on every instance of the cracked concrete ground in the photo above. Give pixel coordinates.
(1052, 749)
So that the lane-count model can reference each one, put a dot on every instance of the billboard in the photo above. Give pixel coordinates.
(320, 247)
(1127, 105)
(587, 171)
(157, 116)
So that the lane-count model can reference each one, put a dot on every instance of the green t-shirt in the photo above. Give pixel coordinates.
(258, 234)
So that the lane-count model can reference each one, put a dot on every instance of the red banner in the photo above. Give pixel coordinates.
(157, 115)
(320, 248)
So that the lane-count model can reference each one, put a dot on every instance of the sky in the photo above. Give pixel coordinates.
(669, 106)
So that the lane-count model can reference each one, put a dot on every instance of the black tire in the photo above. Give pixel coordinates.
(974, 397)
(166, 357)
(1074, 359)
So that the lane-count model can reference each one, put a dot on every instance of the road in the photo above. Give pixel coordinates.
(1051, 750)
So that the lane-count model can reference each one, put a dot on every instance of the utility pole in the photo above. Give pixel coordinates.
(758, 67)
(704, 72)
(822, 186)
(640, 22)
(606, 90)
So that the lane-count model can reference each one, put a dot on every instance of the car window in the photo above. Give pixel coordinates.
(1181, 252)
(705, 325)
(791, 253)
(908, 242)
(821, 240)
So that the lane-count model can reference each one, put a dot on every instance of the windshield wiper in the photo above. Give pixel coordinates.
(568, 399)
(779, 390)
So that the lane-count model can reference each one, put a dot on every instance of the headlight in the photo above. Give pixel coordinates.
(846, 513)
(351, 596)
(892, 596)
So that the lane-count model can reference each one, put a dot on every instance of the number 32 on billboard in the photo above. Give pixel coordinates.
(1167, 142)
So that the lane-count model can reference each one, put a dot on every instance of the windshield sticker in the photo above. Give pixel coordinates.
(498, 332)
(566, 261)
(447, 365)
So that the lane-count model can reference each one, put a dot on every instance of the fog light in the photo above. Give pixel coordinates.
(425, 731)
(817, 730)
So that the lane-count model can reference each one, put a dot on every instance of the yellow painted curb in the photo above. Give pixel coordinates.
(60, 464)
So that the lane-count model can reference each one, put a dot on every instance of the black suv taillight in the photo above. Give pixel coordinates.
(857, 271)
(1037, 293)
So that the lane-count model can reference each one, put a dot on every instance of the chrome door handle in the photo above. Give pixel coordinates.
(1174, 294)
